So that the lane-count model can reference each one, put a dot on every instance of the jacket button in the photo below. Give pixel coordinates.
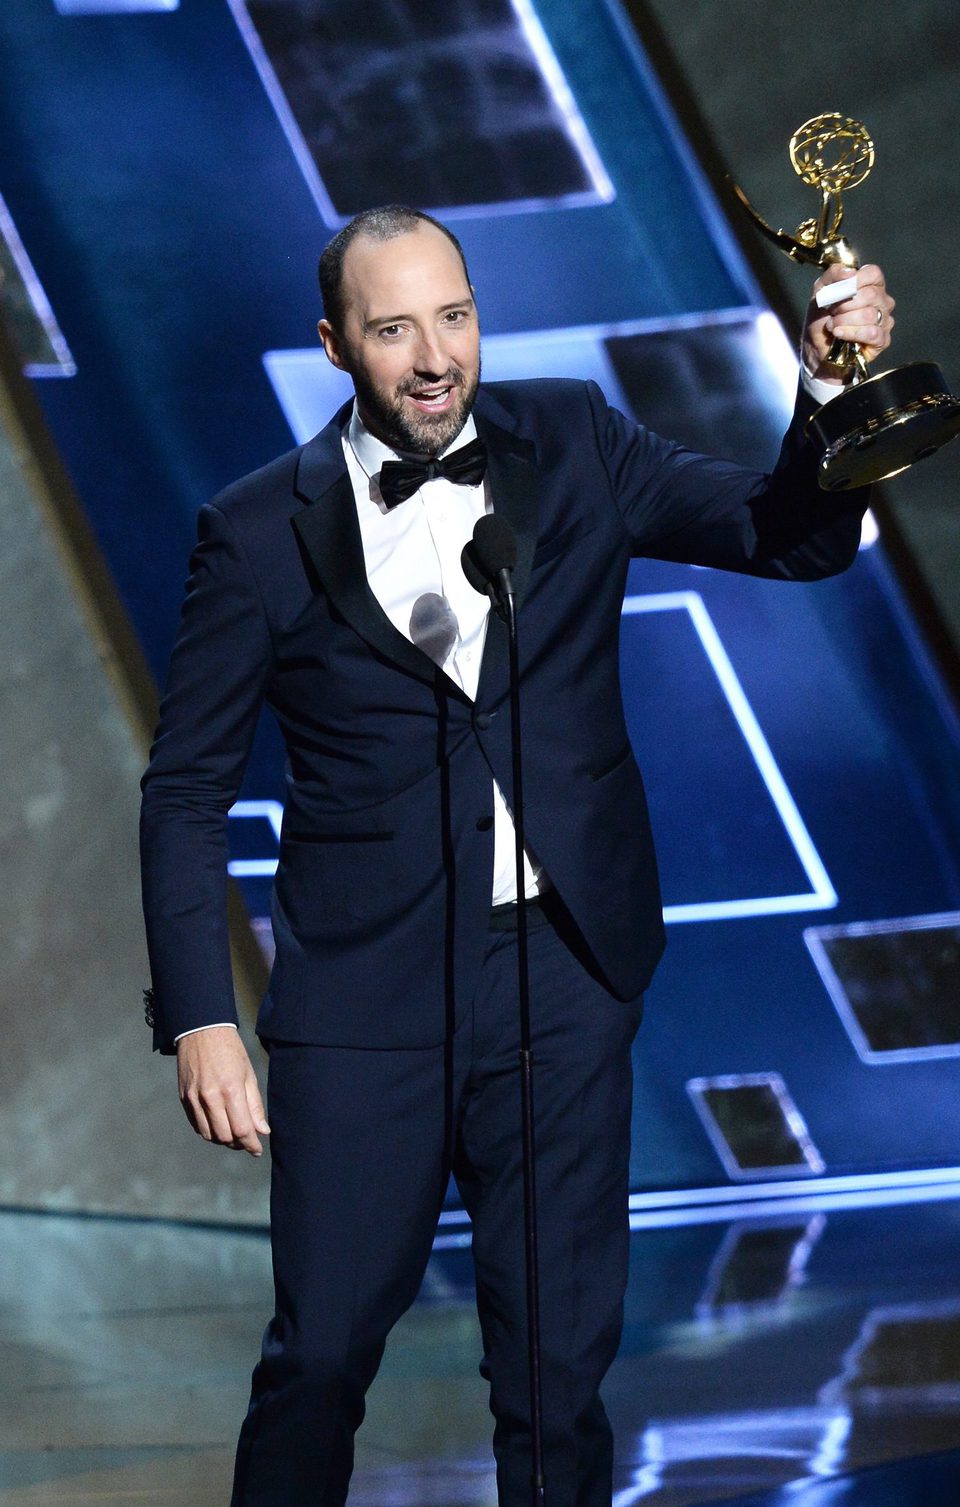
(483, 720)
(484, 823)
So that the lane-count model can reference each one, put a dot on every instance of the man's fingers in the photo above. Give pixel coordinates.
(218, 1088)
(863, 317)
(868, 324)
(231, 1121)
(196, 1115)
(242, 1122)
(222, 1130)
(255, 1105)
(869, 273)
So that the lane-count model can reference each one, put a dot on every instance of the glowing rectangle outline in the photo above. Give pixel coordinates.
(65, 364)
(113, 7)
(813, 936)
(822, 895)
(713, 1313)
(675, 1208)
(603, 191)
(841, 1389)
(697, 1089)
(256, 868)
(829, 1426)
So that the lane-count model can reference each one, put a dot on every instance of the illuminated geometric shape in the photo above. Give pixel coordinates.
(386, 102)
(731, 1450)
(895, 984)
(905, 1356)
(821, 895)
(789, 1198)
(269, 813)
(112, 7)
(27, 311)
(758, 1264)
(754, 1125)
(720, 388)
(786, 1199)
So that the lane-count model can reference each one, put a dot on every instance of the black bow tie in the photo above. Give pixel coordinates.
(399, 479)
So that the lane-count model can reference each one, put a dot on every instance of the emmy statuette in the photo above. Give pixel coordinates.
(878, 426)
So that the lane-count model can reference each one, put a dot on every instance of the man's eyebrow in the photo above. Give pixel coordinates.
(458, 303)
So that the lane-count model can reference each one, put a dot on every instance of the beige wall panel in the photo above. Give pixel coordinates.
(89, 1117)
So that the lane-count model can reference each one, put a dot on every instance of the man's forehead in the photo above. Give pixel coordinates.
(418, 259)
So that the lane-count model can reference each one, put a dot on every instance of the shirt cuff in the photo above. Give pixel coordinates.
(211, 1027)
(821, 392)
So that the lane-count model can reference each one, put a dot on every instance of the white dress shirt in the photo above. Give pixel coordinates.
(412, 558)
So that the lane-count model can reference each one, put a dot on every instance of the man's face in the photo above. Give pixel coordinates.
(410, 338)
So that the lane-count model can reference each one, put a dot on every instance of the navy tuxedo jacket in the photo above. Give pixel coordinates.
(382, 895)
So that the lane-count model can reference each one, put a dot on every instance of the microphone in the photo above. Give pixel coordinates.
(489, 557)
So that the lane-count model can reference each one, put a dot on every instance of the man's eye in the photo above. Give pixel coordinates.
(456, 316)
(390, 330)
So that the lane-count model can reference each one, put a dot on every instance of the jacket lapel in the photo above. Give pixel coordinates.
(514, 487)
(329, 533)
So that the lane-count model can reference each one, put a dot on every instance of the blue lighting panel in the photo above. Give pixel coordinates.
(714, 817)
(178, 250)
(112, 7)
(811, 1439)
(758, 1264)
(754, 1125)
(258, 814)
(347, 89)
(872, 1372)
(32, 321)
(895, 984)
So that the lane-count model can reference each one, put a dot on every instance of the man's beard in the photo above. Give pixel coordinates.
(416, 433)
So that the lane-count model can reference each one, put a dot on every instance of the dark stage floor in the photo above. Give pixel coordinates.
(755, 1354)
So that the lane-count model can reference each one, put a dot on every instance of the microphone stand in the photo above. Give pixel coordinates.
(487, 562)
(526, 1064)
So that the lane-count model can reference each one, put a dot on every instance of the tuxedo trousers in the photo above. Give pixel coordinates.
(363, 1143)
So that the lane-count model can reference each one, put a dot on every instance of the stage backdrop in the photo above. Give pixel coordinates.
(171, 173)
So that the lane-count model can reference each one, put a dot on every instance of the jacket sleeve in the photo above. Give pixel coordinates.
(677, 505)
(215, 687)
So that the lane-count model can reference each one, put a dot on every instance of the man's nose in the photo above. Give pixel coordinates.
(431, 359)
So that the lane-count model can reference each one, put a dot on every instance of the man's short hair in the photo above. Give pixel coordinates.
(381, 224)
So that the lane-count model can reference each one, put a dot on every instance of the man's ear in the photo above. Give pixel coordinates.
(331, 343)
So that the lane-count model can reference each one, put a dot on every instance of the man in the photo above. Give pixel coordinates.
(324, 588)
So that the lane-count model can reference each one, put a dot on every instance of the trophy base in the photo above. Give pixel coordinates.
(880, 427)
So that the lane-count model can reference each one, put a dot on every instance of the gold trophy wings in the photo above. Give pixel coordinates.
(878, 425)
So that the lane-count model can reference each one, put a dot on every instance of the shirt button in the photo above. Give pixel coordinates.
(484, 823)
(483, 720)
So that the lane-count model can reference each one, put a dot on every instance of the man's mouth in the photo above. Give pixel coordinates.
(435, 399)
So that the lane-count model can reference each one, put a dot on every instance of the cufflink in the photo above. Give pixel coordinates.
(149, 1014)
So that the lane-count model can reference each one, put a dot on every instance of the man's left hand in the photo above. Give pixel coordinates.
(866, 317)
